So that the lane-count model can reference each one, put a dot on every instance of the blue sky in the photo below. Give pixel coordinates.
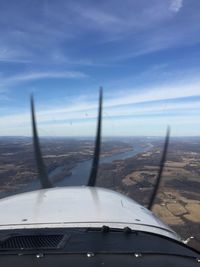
(146, 55)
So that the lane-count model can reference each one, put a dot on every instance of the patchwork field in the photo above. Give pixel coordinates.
(178, 199)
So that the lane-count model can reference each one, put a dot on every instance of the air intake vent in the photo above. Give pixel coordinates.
(32, 242)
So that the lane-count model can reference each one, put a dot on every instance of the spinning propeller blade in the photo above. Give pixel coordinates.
(43, 176)
(95, 163)
(162, 163)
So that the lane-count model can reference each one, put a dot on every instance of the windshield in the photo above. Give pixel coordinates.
(145, 57)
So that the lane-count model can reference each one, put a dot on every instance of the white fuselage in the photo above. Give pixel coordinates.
(72, 207)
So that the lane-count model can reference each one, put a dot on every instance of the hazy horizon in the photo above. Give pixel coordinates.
(103, 137)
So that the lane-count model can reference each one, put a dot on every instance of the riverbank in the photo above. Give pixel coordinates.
(65, 169)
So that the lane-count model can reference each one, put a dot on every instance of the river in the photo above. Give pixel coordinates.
(80, 173)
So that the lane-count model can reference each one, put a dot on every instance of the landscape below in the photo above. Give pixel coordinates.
(178, 200)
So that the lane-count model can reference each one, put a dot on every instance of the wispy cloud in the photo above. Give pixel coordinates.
(176, 5)
(157, 93)
(6, 82)
(161, 105)
(138, 28)
(99, 17)
(49, 75)
(9, 53)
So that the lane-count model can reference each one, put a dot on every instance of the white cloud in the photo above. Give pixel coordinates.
(176, 5)
(137, 107)
(49, 74)
(157, 93)
(99, 17)
(138, 28)
(6, 82)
